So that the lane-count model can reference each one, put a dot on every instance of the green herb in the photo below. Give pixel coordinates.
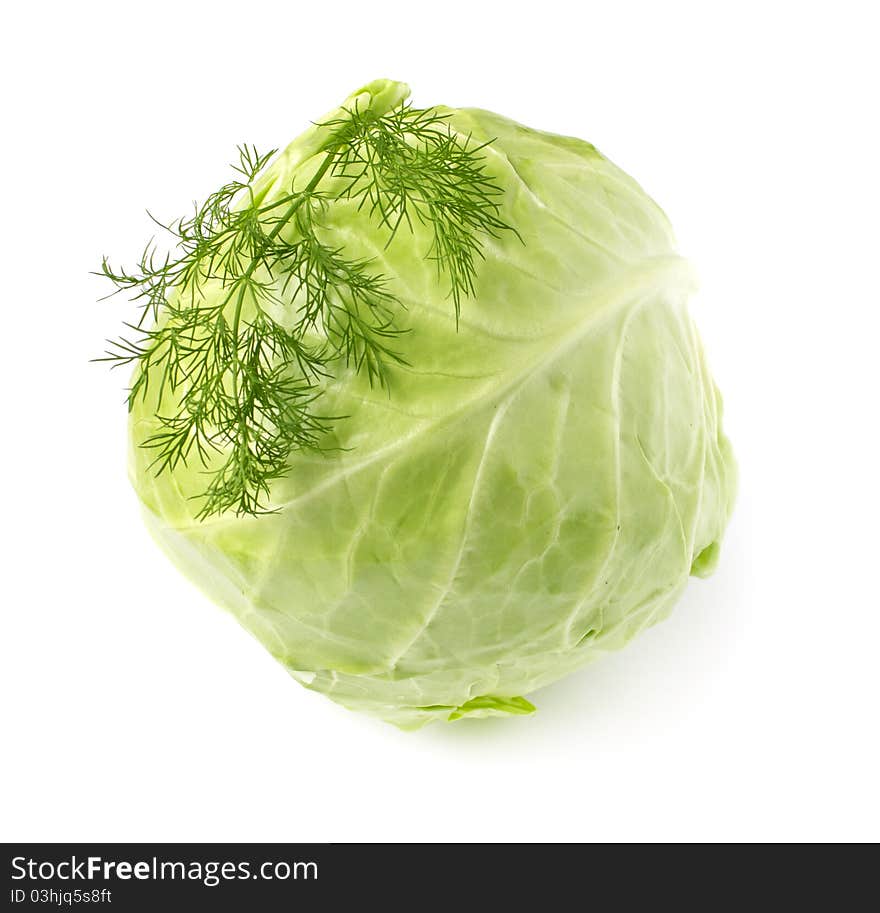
(238, 389)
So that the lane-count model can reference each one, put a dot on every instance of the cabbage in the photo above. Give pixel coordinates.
(534, 487)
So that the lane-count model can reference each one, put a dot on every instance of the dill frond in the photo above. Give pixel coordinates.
(242, 389)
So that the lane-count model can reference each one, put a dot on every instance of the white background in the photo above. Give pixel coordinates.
(132, 709)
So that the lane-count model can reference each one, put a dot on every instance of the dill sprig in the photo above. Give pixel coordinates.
(241, 324)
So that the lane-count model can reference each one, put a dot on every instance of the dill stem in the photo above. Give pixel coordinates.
(236, 317)
(291, 211)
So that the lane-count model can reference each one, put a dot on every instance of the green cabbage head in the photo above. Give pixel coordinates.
(534, 487)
